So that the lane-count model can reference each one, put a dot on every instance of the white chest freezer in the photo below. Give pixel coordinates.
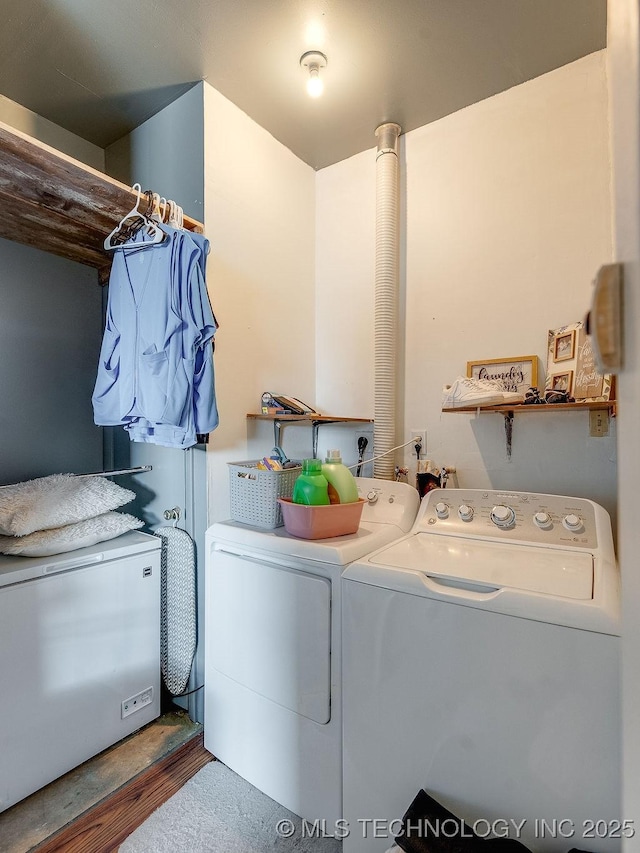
(79, 657)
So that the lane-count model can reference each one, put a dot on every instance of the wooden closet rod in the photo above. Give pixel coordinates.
(53, 202)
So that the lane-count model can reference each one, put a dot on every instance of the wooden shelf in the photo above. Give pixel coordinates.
(309, 418)
(55, 203)
(545, 407)
(508, 412)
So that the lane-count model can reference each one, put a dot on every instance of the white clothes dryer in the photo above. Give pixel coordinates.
(273, 649)
(480, 662)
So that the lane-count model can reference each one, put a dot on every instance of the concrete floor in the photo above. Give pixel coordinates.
(33, 820)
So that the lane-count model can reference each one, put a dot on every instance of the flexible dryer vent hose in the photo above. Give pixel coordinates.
(387, 269)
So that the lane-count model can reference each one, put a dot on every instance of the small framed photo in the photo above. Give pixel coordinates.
(564, 346)
(569, 350)
(561, 381)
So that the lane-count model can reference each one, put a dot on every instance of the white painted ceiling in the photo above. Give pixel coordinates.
(101, 67)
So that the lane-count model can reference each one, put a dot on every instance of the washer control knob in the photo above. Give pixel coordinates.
(503, 516)
(572, 522)
(542, 520)
(465, 512)
(442, 510)
(372, 496)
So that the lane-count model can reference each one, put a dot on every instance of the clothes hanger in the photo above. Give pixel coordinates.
(156, 210)
(133, 222)
(174, 220)
(133, 214)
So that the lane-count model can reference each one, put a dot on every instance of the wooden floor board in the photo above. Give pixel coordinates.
(156, 760)
(105, 826)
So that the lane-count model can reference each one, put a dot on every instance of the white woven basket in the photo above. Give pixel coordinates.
(254, 493)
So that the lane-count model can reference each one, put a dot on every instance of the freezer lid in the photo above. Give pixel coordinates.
(550, 571)
(20, 569)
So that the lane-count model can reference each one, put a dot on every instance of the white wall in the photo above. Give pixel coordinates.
(345, 270)
(507, 218)
(623, 40)
(259, 217)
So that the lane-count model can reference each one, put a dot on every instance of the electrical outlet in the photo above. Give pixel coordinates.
(366, 468)
(415, 436)
(598, 423)
(135, 703)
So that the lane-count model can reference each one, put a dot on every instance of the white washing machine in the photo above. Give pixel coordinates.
(480, 662)
(273, 649)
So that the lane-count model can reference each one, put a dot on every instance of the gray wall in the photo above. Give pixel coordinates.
(50, 333)
(166, 155)
(51, 134)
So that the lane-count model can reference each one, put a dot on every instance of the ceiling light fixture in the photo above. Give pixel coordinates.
(313, 61)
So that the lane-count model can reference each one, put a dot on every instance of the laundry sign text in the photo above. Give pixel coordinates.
(516, 374)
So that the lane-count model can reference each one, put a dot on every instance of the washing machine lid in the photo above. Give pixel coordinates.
(339, 550)
(550, 571)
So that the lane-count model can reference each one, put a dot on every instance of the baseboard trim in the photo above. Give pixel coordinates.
(103, 828)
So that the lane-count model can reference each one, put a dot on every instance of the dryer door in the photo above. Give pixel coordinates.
(271, 632)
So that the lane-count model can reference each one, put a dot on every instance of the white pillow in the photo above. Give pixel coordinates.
(45, 543)
(55, 501)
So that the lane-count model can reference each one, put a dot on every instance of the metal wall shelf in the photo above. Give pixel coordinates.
(316, 421)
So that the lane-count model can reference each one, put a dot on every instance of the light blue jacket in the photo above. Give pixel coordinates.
(155, 372)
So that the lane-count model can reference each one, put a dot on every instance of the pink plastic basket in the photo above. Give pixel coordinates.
(321, 522)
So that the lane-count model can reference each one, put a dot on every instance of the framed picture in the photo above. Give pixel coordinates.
(569, 350)
(561, 381)
(564, 346)
(516, 374)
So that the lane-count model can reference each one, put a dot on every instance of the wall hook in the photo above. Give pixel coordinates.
(172, 515)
